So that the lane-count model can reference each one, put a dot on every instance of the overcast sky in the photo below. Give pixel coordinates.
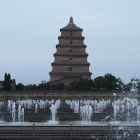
(29, 31)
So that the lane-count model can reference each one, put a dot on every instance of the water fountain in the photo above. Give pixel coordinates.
(13, 111)
(126, 109)
(86, 112)
(122, 109)
(53, 112)
(53, 108)
(22, 114)
(36, 107)
(19, 113)
(134, 86)
(120, 113)
(138, 113)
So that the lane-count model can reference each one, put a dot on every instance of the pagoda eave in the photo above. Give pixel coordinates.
(63, 29)
(73, 38)
(72, 73)
(69, 64)
(70, 46)
(72, 55)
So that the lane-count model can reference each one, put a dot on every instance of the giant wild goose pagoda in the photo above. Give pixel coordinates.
(70, 60)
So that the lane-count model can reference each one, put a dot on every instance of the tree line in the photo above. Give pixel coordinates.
(108, 82)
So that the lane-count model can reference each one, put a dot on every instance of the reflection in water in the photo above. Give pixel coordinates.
(84, 110)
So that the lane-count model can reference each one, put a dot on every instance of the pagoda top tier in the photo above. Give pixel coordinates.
(71, 26)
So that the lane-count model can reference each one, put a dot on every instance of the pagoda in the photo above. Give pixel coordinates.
(70, 63)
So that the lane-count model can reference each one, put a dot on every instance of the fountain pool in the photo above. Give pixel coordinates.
(70, 111)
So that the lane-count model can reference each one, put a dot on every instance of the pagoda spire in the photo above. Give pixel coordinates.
(71, 26)
(71, 20)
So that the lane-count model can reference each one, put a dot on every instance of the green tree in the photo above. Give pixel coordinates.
(31, 87)
(20, 87)
(7, 82)
(107, 82)
(82, 85)
(111, 82)
(99, 83)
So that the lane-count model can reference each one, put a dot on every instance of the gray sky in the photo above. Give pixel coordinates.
(29, 31)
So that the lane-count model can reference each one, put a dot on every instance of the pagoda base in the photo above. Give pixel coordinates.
(68, 78)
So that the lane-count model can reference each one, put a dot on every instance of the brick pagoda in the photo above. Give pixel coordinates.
(70, 63)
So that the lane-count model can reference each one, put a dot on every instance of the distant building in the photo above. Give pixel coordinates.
(70, 62)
